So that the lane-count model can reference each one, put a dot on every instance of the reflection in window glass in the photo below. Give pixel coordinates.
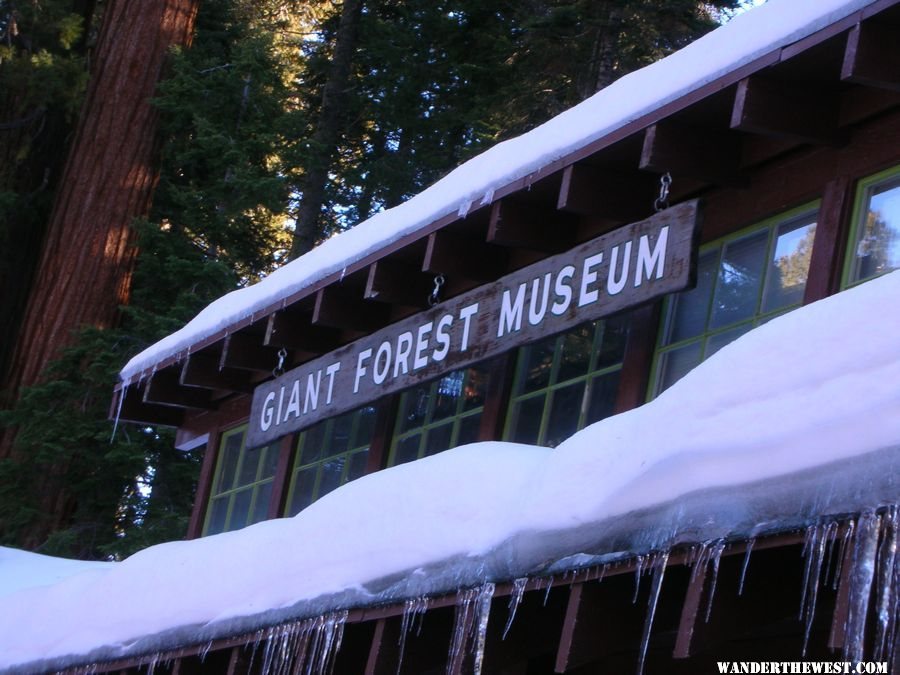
(742, 281)
(875, 249)
(566, 382)
(329, 454)
(440, 414)
(242, 487)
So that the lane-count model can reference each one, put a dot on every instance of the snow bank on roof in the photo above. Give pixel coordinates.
(803, 413)
(745, 38)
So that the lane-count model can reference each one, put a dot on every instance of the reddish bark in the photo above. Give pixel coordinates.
(87, 257)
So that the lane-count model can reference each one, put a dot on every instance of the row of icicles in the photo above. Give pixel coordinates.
(868, 544)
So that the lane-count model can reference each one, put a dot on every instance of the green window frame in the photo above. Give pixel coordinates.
(439, 414)
(874, 229)
(743, 280)
(242, 485)
(565, 382)
(333, 452)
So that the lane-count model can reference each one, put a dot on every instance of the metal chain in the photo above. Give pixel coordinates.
(435, 296)
(662, 202)
(278, 371)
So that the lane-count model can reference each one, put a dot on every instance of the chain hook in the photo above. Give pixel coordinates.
(435, 296)
(278, 371)
(662, 202)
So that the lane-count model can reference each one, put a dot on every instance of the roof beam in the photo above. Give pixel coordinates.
(165, 389)
(623, 196)
(202, 370)
(135, 409)
(871, 57)
(398, 283)
(294, 330)
(600, 618)
(791, 110)
(245, 352)
(710, 155)
(384, 653)
(338, 307)
(454, 255)
(518, 224)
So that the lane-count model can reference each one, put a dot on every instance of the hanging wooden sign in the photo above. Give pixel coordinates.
(618, 270)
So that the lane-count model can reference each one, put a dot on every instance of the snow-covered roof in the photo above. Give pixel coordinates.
(803, 413)
(746, 38)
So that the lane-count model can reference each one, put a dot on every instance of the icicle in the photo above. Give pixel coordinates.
(482, 614)
(838, 569)
(887, 605)
(750, 543)
(329, 634)
(814, 550)
(515, 599)
(861, 576)
(123, 392)
(549, 588)
(488, 197)
(473, 608)
(659, 571)
(464, 208)
(205, 651)
(637, 577)
(412, 609)
(715, 555)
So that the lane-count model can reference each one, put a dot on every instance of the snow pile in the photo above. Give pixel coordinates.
(803, 413)
(745, 38)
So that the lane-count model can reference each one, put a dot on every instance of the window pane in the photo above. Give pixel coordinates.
(526, 424)
(218, 510)
(719, 340)
(357, 467)
(564, 413)
(366, 426)
(231, 451)
(438, 439)
(689, 309)
(878, 238)
(304, 484)
(612, 342)
(604, 389)
(341, 429)
(414, 407)
(261, 505)
(675, 364)
(332, 473)
(468, 429)
(448, 391)
(740, 274)
(474, 388)
(240, 509)
(407, 449)
(271, 463)
(536, 365)
(249, 466)
(313, 443)
(575, 358)
(789, 266)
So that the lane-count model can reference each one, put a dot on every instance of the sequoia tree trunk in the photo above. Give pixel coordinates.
(87, 256)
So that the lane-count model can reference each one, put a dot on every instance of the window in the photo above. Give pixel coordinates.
(566, 382)
(242, 486)
(875, 232)
(329, 454)
(439, 415)
(742, 281)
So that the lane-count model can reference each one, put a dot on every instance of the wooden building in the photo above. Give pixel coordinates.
(792, 162)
